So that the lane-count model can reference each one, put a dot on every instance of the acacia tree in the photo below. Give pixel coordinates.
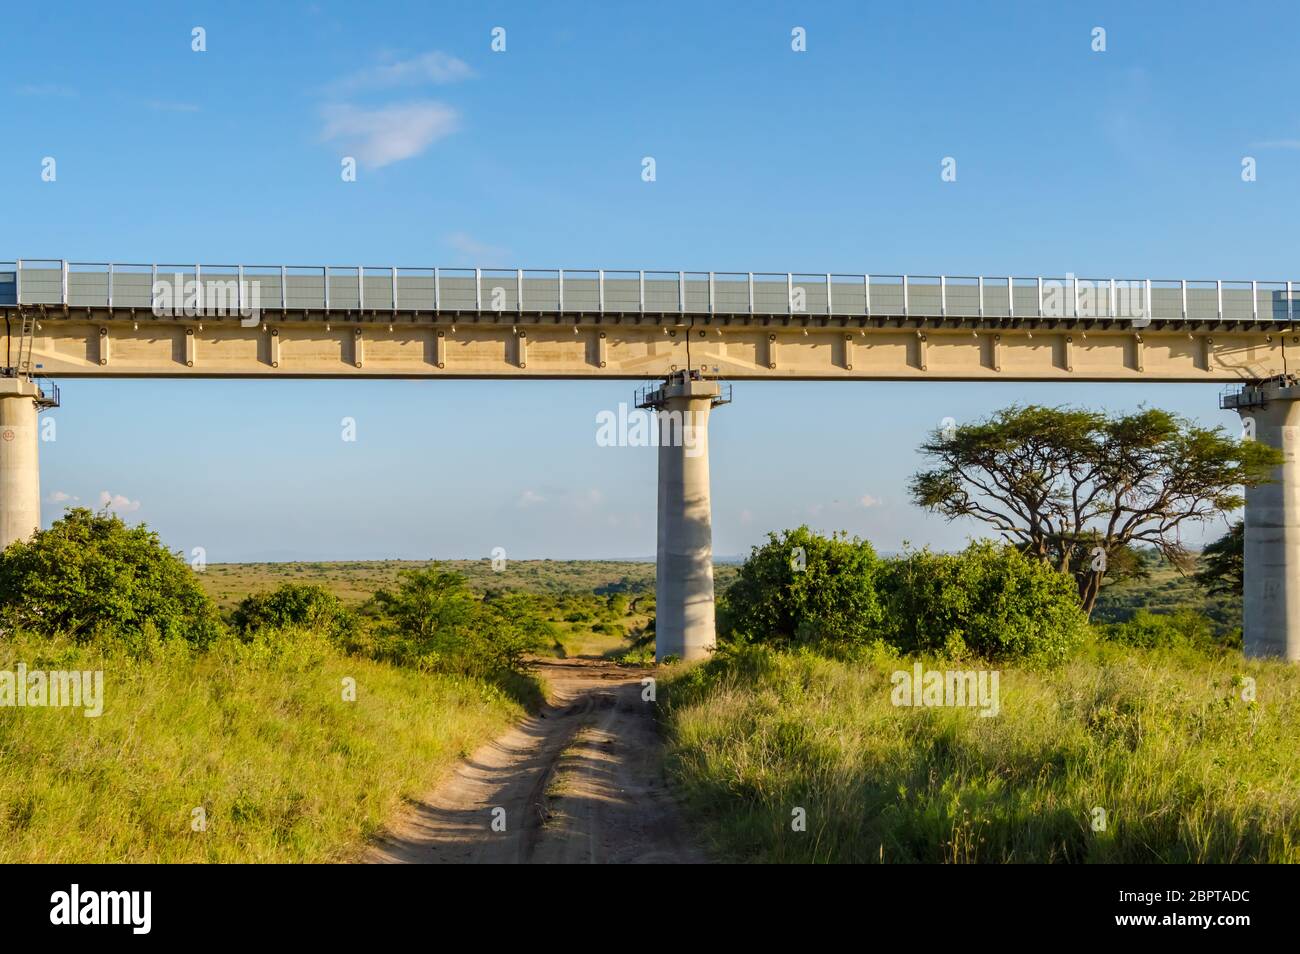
(1079, 489)
(1223, 563)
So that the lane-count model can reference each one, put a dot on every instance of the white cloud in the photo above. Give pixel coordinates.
(432, 67)
(46, 89)
(474, 250)
(117, 502)
(59, 496)
(529, 498)
(171, 106)
(1277, 144)
(378, 137)
(869, 501)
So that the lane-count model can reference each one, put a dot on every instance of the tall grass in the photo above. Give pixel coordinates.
(258, 736)
(1161, 740)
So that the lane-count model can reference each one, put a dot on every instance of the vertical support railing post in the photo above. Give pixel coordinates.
(1075, 280)
(361, 289)
(1112, 310)
(1183, 288)
(18, 281)
(1040, 297)
(907, 310)
(437, 289)
(153, 287)
(1254, 300)
(866, 292)
(712, 307)
(478, 289)
(239, 288)
(561, 296)
(1150, 309)
(394, 288)
(110, 284)
(980, 280)
(640, 290)
(1289, 310)
(1011, 297)
(681, 292)
(519, 290)
(198, 286)
(326, 279)
(789, 292)
(65, 283)
(943, 296)
(751, 293)
(600, 289)
(284, 288)
(830, 310)
(1218, 288)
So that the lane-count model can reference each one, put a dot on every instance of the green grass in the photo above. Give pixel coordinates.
(258, 737)
(1185, 770)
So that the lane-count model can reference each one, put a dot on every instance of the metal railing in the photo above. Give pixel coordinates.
(225, 289)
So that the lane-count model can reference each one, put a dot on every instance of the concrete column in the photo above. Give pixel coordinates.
(684, 613)
(1271, 608)
(20, 481)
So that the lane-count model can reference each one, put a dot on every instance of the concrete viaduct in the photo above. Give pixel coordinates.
(690, 330)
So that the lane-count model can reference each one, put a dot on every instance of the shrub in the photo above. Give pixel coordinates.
(91, 575)
(433, 620)
(989, 601)
(295, 604)
(1147, 630)
(804, 588)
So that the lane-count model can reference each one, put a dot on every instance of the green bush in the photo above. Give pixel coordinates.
(989, 601)
(434, 621)
(90, 575)
(295, 604)
(1147, 630)
(804, 588)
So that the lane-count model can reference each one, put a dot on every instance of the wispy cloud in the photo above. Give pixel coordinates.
(59, 496)
(117, 502)
(529, 498)
(45, 89)
(1276, 144)
(379, 137)
(867, 500)
(434, 67)
(472, 249)
(168, 106)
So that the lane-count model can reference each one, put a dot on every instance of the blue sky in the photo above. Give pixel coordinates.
(1126, 163)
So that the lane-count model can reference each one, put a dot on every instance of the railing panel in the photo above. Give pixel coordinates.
(542, 291)
(225, 288)
(962, 297)
(304, 287)
(1238, 303)
(582, 290)
(731, 293)
(42, 283)
(500, 290)
(623, 291)
(697, 293)
(809, 296)
(661, 292)
(848, 296)
(458, 290)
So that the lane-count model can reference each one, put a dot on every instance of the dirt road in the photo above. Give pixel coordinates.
(579, 782)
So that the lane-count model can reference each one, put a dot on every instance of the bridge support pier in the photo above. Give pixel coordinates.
(684, 610)
(20, 479)
(1271, 608)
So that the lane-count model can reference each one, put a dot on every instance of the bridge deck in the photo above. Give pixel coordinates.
(152, 320)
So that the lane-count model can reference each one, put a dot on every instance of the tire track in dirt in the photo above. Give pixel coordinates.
(581, 782)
